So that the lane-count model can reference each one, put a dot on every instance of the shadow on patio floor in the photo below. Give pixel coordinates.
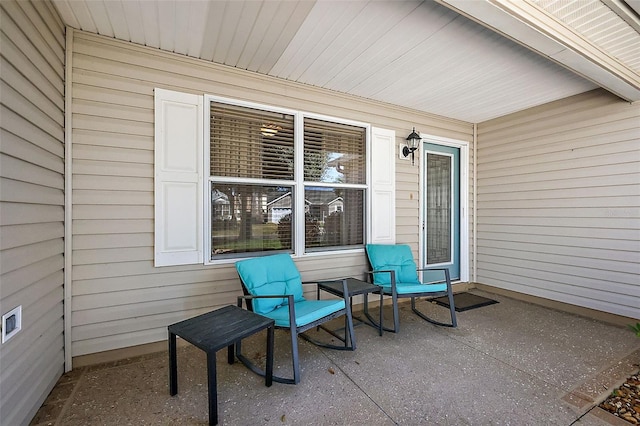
(508, 363)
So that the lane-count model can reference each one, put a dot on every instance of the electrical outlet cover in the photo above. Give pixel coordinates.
(11, 323)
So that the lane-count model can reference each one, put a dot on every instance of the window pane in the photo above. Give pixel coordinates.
(251, 143)
(334, 152)
(439, 170)
(250, 218)
(334, 217)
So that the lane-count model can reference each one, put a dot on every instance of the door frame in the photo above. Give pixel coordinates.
(464, 199)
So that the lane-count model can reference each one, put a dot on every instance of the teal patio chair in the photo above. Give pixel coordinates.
(272, 287)
(394, 270)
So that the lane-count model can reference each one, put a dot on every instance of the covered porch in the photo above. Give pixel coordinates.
(512, 362)
(538, 101)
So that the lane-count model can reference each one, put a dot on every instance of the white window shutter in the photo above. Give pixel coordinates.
(178, 178)
(383, 186)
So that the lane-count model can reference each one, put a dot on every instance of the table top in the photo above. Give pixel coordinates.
(354, 286)
(220, 328)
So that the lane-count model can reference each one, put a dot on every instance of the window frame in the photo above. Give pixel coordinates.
(298, 184)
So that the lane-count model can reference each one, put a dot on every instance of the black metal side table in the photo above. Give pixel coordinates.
(354, 288)
(213, 331)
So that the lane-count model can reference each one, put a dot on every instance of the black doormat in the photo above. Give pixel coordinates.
(465, 301)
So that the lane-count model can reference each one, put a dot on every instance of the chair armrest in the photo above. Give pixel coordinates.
(392, 273)
(373, 271)
(447, 277)
(266, 296)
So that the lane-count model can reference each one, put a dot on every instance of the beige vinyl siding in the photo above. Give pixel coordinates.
(31, 204)
(559, 203)
(119, 298)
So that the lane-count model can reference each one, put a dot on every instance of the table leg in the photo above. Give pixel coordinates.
(268, 377)
(173, 365)
(231, 354)
(213, 388)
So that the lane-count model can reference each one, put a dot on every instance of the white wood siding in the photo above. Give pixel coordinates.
(119, 298)
(31, 204)
(559, 203)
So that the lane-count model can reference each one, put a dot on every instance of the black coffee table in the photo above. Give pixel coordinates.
(211, 332)
(354, 288)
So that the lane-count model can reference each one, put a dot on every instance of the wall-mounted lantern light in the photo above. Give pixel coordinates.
(413, 141)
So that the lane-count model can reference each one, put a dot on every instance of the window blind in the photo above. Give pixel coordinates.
(251, 143)
(334, 152)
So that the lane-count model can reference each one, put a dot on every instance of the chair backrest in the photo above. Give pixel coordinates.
(388, 257)
(270, 275)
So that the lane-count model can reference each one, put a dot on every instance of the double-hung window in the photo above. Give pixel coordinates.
(282, 181)
(235, 179)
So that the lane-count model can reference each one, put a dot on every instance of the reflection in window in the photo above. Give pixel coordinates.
(334, 152)
(250, 218)
(253, 159)
(334, 217)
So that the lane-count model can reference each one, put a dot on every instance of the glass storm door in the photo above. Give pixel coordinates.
(441, 225)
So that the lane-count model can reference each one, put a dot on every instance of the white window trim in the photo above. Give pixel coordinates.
(464, 199)
(298, 183)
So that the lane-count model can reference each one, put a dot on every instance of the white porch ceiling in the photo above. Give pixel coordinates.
(418, 54)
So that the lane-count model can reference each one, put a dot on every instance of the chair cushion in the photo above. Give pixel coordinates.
(398, 258)
(270, 275)
(307, 311)
(403, 288)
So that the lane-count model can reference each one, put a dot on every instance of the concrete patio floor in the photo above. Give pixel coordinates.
(507, 363)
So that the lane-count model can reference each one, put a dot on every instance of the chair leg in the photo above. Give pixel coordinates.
(349, 328)
(396, 314)
(294, 356)
(293, 331)
(380, 324)
(432, 321)
(373, 322)
(259, 371)
(452, 308)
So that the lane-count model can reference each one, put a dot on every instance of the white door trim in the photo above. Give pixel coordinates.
(464, 199)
